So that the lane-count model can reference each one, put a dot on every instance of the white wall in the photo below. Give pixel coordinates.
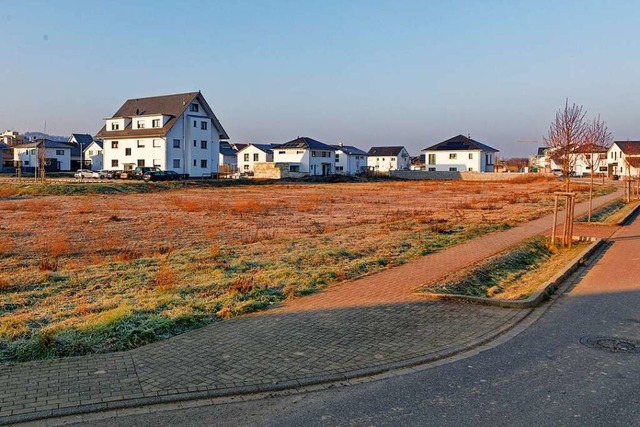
(350, 164)
(307, 161)
(387, 163)
(30, 155)
(93, 153)
(250, 152)
(464, 161)
(150, 150)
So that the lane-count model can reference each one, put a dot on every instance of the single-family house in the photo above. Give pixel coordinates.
(80, 141)
(623, 158)
(252, 154)
(173, 132)
(307, 156)
(93, 155)
(57, 155)
(541, 162)
(228, 158)
(460, 154)
(350, 160)
(385, 159)
(588, 156)
(417, 163)
(12, 138)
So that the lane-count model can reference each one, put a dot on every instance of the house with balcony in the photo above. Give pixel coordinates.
(460, 154)
(307, 156)
(252, 154)
(350, 160)
(385, 159)
(172, 132)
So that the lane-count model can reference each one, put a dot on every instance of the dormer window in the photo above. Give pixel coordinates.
(115, 126)
(140, 124)
(194, 107)
(155, 123)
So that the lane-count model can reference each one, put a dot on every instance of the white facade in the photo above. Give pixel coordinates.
(94, 154)
(386, 163)
(252, 154)
(348, 163)
(304, 160)
(459, 160)
(28, 157)
(619, 164)
(190, 146)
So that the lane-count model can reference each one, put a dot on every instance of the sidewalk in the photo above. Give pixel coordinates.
(357, 328)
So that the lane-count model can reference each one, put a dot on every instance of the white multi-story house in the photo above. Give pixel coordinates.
(173, 132)
(385, 159)
(93, 156)
(350, 160)
(460, 154)
(623, 158)
(57, 155)
(252, 154)
(306, 155)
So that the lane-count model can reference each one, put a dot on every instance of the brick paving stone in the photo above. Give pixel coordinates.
(357, 326)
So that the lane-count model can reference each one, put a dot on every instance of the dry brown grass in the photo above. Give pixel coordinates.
(166, 279)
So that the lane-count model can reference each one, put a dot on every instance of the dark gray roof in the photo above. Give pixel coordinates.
(307, 143)
(226, 150)
(460, 143)
(385, 151)
(541, 150)
(4, 146)
(170, 105)
(48, 144)
(267, 148)
(630, 148)
(350, 149)
(83, 139)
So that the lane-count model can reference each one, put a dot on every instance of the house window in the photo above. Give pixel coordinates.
(156, 143)
(194, 107)
(176, 163)
(246, 167)
(26, 162)
(256, 157)
(114, 163)
(383, 159)
(432, 169)
(140, 124)
(489, 159)
(90, 152)
(203, 164)
(294, 168)
(114, 144)
(453, 169)
(337, 157)
(195, 162)
(393, 159)
(587, 156)
(141, 162)
(59, 152)
(195, 143)
(140, 144)
(203, 145)
(313, 154)
(339, 168)
(127, 151)
(470, 169)
(246, 157)
(155, 123)
(156, 163)
(203, 125)
(115, 126)
(470, 156)
(195, 124)
(176, 144)
(299, 152)
(281, 152)
(453, 156)
(432, 159)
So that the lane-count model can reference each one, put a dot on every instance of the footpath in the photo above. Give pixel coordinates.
(357, 328)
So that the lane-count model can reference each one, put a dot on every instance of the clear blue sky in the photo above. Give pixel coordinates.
(363, 72)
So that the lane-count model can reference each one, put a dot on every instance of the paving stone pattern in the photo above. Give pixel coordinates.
(359, 327)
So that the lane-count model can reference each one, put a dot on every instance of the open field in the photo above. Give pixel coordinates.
(104, 272)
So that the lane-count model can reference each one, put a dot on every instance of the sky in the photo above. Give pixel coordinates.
(365, 73)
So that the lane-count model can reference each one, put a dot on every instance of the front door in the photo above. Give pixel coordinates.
(326, 169)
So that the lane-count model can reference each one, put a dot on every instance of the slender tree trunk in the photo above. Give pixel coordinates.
(590, 198)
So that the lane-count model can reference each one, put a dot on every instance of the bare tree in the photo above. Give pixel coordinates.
(565, 136)
(597, 140)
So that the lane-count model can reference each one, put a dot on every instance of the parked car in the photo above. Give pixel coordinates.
(125, 174)
(114, 174)
(139, 171)
(161, 176)
(102, 174)
(83, 173)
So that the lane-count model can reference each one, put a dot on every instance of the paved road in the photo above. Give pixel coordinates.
(357, 328)
(543, 377)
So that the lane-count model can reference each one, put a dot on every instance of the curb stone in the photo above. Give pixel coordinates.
(537, 297)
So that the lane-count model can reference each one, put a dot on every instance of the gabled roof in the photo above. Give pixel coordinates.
(629, 148)
(227, 151)
(591, 148)
(350, 150)
(98, 143)
(542, 151)
(267, 148)
(306, 143)
(460, 143)
(47, 143)
(385, 151)
(170, 105)
(83, 139)
(238, 145)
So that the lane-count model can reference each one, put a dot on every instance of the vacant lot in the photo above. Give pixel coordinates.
(95, 273)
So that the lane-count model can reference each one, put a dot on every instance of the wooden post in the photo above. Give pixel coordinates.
(555, 219)
(571, 201)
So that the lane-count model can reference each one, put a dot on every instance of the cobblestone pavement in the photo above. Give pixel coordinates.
(360, 327)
